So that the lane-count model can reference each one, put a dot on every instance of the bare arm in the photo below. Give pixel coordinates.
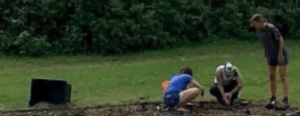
(220, 85)
(240, 82)
(281, 46)
(195, 83)
(220, 81)
(280, 56)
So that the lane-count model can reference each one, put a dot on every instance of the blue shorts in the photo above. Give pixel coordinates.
(171, 99)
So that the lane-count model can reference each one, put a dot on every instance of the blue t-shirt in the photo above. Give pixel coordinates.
(178, 83)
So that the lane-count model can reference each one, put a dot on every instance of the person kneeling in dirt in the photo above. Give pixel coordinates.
(227, 84)
(177, 94)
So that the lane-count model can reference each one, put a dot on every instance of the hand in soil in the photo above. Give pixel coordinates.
(228, 95)
(226, 100)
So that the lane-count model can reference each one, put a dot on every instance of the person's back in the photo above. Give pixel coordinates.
(270, 38)
(178, 83)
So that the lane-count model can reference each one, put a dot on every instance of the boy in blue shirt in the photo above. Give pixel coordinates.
(177, 93)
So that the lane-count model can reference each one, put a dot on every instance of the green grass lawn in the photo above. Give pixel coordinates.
(100, 80)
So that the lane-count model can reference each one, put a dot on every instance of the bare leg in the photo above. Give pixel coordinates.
(272, 72)
(188, 95)
(284, 79)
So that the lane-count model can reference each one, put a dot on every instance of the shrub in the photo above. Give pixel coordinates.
(40, 27)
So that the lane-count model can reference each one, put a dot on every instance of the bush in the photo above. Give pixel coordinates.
(37, 28)
(25, 44)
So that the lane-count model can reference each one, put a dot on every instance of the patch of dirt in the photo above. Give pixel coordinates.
(153, 109)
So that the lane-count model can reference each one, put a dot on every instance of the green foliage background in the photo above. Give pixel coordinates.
(42, 27)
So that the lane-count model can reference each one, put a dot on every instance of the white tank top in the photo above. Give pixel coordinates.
(226, 78)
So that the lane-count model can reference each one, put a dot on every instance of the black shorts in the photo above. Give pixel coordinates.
(272, 59)
(215, 91)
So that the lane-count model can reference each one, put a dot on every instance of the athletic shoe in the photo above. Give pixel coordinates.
(282, 106)
(181, 109)
(271, 104)
(189, 104)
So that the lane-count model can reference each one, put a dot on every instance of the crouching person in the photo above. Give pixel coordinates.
(227, 84)
(177, 94)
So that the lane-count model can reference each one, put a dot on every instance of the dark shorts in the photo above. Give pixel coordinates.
(215, 91)
(171, 99)
(272, 59)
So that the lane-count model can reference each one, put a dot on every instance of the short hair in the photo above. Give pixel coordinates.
(186, 70)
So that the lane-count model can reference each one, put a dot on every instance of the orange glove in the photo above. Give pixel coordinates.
(165, 84)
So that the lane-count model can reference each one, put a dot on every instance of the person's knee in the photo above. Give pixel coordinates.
(282, 79)
(272, 77)
(212, 91)
(196, 90)
(194, 93)
(190, 92)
